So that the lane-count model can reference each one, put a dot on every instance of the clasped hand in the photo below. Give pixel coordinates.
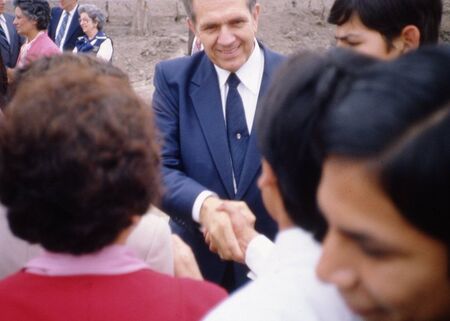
(225, 225)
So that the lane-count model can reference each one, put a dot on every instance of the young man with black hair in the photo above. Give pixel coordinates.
(386, 29)
(286, 287)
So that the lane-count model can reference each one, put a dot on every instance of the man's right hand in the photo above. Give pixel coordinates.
(243, 222)
(218, 230)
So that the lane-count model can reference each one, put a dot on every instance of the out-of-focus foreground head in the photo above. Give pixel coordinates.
(78, 157)
(53, 64)
(306, 86)
(385, 190)
(384, 28)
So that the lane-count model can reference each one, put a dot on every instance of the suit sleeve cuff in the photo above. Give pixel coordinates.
(198, 204)
(258, 251)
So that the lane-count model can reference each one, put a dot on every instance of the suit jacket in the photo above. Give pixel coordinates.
(195, 154)
(10, 56)
(73, 33)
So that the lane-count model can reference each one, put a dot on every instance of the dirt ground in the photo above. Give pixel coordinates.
(283, 30)
(138, 55)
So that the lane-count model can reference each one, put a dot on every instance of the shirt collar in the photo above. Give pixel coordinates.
(246, 73)
(2, 18)
(111, 260)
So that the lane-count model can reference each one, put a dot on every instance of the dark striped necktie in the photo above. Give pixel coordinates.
(62, 29)
(4, 38)
(237, 131)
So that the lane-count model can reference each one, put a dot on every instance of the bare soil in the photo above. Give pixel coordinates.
(284, 30)
(138, 55)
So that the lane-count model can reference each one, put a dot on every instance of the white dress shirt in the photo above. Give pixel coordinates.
(250, 74)
(5, 27)
(69, 21)
(287, 289)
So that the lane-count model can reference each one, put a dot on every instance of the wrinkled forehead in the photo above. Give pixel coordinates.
(200, 8)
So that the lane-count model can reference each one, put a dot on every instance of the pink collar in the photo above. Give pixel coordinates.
(111, 260)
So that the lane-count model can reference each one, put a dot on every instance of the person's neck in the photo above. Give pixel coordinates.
(32, 35)
(70, 8)
(91, 34)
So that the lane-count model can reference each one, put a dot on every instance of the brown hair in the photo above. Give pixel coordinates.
(78, 158)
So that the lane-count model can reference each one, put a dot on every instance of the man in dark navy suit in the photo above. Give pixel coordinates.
(205, 106)
(64, 28)
(10, 41)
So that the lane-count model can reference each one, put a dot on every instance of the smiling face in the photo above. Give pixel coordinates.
(384, 267)
(355, 35)
(88, 25)
(24, 25)
(227, 30)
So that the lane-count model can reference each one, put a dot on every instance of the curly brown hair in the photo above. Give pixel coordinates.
(78, 159)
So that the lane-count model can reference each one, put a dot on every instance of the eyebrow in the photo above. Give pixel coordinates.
(366, 240)
(346, 37)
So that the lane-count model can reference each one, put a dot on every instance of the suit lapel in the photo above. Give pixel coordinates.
(73, 25)
(205, 94)
(11, 29)
(252, 162)
(55, 25)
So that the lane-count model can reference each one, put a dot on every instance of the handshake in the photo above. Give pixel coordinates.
(228, 227)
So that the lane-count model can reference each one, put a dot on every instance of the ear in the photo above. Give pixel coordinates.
(267, 178)
(410, 37)
(255, 15)
(191, 26)
(135, 219)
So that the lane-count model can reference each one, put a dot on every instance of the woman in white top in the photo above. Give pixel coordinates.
(94, 41)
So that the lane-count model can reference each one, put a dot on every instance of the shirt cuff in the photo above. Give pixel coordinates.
(258, 251)
(198, 204)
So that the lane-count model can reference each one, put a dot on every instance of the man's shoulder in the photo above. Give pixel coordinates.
(181, 62)
(272, 57)
(55, 12)
(8, 15)
(180, 68)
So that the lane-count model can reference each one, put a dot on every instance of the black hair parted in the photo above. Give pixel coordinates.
(288, 123)
(37, 10)
(389, 17)
(397, 120)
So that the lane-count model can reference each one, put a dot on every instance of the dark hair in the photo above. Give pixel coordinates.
(188, 7)
(37, 10)
(397, 120)
(77, 159)
(390, 17)
(306, 86)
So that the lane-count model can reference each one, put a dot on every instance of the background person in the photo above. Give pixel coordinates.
(10, 41)
(64, 28)
(31, 21)
(84, 201)
(95, 40)
(386, 29)
(384, 191)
